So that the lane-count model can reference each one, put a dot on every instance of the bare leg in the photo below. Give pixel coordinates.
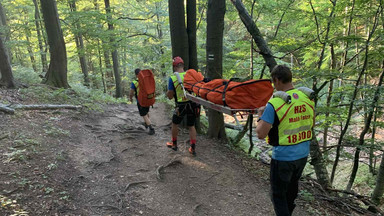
(175, 130)
(147, 120)
(192, 133)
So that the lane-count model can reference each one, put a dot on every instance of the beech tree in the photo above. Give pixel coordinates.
(79, 44)
(3, 24)
(179, 36)
(40, 38)
(57, 71)
(115, 56)
(214, 56)
(191, 32)
(5, 68)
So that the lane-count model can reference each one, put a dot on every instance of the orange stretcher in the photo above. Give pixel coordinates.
(229, 96)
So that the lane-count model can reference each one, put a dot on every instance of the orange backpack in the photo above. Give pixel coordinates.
(147, 88)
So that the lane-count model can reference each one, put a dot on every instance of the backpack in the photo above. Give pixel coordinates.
(147, 88)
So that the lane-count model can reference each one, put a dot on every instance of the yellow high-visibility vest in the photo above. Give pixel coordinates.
(295, 119)
(136, 83)
(179, 93)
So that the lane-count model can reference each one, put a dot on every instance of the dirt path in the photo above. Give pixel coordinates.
(124, 171)
(106, 164)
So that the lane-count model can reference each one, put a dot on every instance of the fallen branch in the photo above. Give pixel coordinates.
(365, 199)
(10, 109)
(45, 106)
(6, 109)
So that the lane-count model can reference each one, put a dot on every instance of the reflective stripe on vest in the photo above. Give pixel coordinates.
(295, 119)
(180, 97)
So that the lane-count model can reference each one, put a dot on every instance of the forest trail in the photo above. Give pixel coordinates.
(105, 163)
(128, 172)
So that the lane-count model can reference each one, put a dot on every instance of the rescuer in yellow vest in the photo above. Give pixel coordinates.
(183, 106)
(287, 123)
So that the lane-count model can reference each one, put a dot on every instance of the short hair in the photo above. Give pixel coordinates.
(282, 73)
(137, 71)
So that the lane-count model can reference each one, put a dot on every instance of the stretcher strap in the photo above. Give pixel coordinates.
(224, 91)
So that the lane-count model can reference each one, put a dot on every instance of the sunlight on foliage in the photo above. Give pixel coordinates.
(12, 206)
(26, 75)
(15, 155)
(55, 131)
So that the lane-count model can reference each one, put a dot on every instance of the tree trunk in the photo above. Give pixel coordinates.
(57, 71)
(344, 130)
(372, 162)
(379, 188)
(30, 50)
(80, 46)
(252, 45)
(191, 31)
(101, 67)
(319, 164)
(43, 54)
(256, 35)
(115, 55)
(108, 65)
(5, 68)
(350, 110)
(367, 125)
(3, 22)
(215, 27)
(329, 98)
(179, 36)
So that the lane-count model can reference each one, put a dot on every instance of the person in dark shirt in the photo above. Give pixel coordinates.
(143, 111)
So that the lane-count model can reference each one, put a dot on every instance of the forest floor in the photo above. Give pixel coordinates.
(103, 162)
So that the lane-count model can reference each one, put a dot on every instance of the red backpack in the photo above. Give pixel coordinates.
(147, 88)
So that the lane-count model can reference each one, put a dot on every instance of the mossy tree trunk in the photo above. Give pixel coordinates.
(57, 71)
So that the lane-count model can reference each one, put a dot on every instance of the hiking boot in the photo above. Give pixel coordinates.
(151, 131)
(192, 150)
(172, 146)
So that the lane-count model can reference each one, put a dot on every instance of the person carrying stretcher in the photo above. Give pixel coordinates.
(184, 107)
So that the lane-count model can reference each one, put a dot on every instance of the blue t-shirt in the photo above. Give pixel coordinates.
(134, 88)
(285, 153)
(171, 86)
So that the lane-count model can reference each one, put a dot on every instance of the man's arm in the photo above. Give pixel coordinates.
(171, 89)
(263, 129)
(131, 93)
(170, 94)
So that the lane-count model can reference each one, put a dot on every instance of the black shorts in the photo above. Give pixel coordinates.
(142, 110)
(182, 110)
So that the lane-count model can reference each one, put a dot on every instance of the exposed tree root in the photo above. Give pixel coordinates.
(107, 207)
(4, 136)
(99, 163)
(175, 160)
(133, 183)
(195, 208)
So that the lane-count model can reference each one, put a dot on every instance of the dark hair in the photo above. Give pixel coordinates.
(282, 73)
(137, 71)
